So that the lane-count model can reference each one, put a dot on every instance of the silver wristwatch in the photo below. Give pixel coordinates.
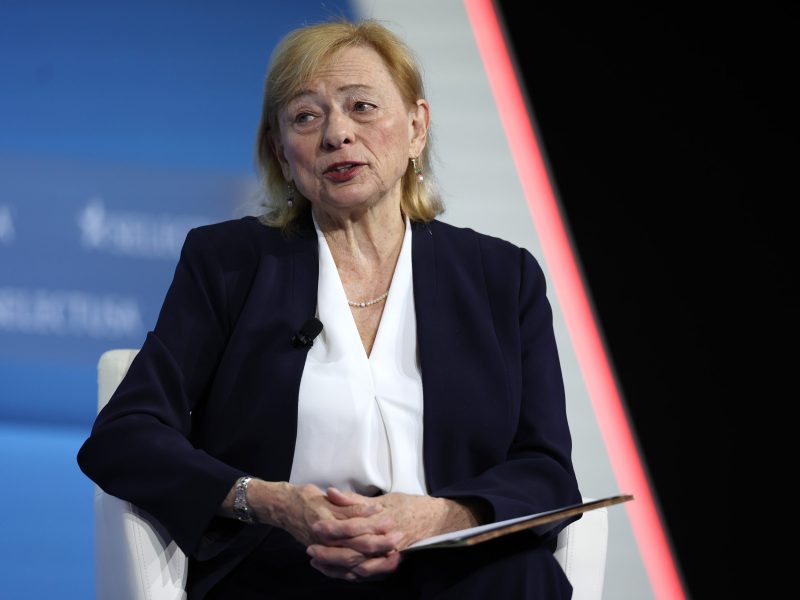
(241, 508)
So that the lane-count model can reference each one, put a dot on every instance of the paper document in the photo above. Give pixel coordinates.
(539, 522)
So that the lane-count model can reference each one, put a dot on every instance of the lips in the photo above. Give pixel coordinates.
(342, 167)
(342, 171)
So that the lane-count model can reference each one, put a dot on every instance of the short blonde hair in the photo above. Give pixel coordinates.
(294, 62)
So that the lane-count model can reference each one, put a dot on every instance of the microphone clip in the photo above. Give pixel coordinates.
(305, 337)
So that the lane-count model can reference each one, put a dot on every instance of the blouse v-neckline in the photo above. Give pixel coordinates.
(360, 417)
(337, 308)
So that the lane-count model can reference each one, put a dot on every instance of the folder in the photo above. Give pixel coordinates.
(539, 522)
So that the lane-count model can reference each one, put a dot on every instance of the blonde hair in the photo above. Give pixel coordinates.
(294, 62)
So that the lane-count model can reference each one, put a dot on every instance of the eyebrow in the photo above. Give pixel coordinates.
(344, 88)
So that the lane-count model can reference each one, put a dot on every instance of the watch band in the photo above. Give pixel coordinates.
(241, 508)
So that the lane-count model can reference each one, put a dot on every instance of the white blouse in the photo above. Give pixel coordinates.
(359, 417)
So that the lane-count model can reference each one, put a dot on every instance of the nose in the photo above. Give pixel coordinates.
(338, 131)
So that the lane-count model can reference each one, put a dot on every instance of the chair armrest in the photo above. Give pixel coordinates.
(135, 559)
(581, 552)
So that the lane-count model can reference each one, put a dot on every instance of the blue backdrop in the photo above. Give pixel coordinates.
(122, 125)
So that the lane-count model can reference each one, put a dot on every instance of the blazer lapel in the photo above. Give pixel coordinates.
(430, 339)
(305, 273)
(284, 370)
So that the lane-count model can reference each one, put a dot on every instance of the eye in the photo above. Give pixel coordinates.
(302, 118)
(363, 107)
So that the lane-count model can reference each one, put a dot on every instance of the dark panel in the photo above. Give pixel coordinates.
(673, 134)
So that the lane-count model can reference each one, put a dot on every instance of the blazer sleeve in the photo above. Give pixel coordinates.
(537, 473)
(140, 448)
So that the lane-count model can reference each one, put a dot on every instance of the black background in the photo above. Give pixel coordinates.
(672, 133)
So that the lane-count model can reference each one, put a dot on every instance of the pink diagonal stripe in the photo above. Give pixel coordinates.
(569, 289)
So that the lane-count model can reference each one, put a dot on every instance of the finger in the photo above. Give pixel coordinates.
(378, 566)
(331, 530)
(309, 490)
(355, 510)
(375, 545)
(335, 572)
(341, 498)
(372, 545)
(356, 505)
(335, 557)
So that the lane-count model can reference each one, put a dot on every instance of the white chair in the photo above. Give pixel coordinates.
(135, 559)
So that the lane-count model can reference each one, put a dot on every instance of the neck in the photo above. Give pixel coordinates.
(371, 237)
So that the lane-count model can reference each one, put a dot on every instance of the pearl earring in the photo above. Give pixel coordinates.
(417, 170)
(290, 198)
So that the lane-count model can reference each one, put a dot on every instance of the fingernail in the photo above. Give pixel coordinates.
(311, 552)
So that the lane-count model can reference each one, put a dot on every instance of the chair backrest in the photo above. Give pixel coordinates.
(135, 558)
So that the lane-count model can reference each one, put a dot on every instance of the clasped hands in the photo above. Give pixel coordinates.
(354, 537)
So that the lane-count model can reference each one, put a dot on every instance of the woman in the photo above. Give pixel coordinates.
(431, 401)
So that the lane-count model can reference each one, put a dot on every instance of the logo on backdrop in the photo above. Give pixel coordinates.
(6, 225)
(133, 234)
(66, 312)
(91, 271)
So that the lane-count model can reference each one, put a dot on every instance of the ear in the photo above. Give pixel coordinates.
(276, 147)
(419, 121)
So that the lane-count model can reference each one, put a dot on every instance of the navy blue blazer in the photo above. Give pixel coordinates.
(212, 394)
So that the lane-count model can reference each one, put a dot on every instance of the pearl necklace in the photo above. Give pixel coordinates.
(369, 302)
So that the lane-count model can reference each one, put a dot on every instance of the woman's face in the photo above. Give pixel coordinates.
(346, 139)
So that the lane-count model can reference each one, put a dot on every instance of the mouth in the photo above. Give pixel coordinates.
(342, 167)
(342, 172)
